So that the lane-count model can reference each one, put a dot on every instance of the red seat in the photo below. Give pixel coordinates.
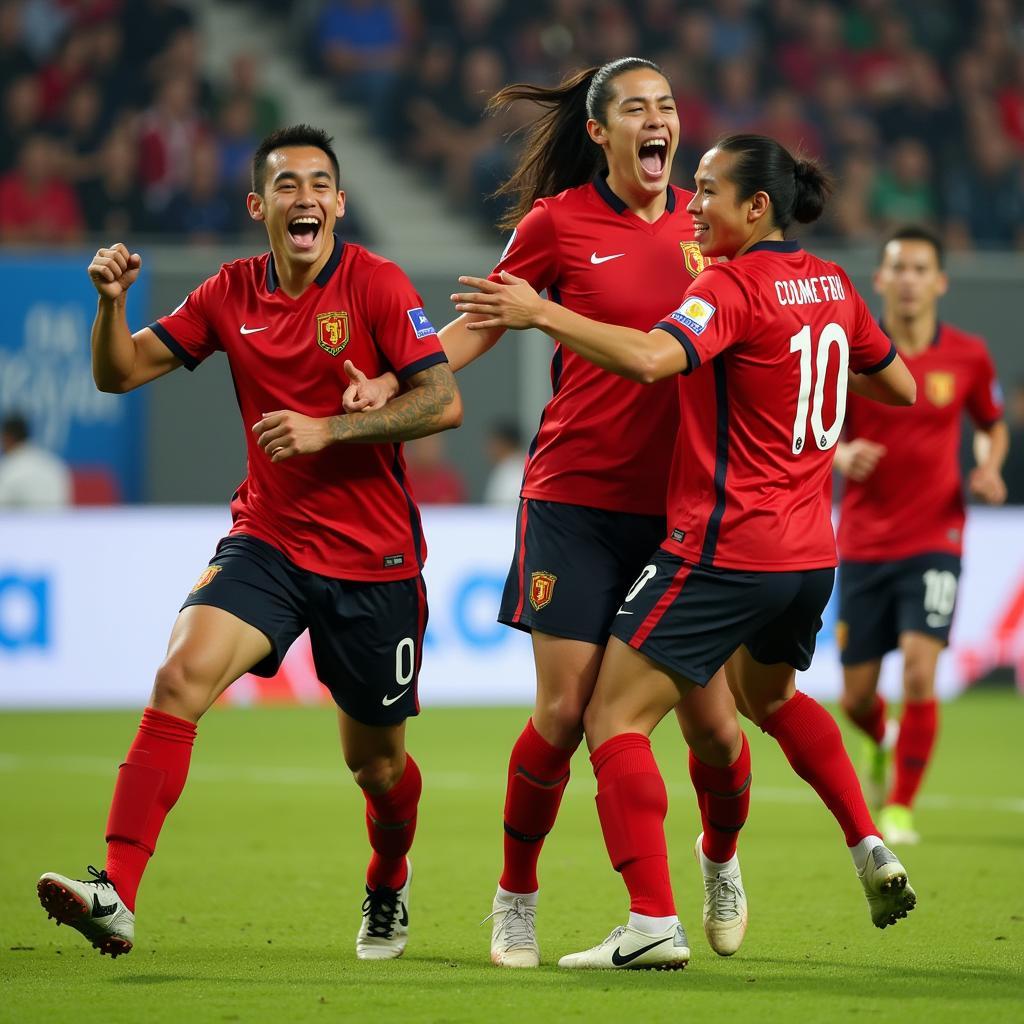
(94, 485)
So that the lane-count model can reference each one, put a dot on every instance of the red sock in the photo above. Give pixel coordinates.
(632, 804)
(148, 786)
(872, 721)
(810, 739)
(391, 824)
(537, 776)
(723, 796)
(918, 727)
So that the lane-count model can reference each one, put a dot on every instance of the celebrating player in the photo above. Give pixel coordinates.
(902, 517)
(325, 533)
(599, 226)
(748, 563)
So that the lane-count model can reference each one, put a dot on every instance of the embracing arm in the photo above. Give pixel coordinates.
(431, 404)
(893, 385)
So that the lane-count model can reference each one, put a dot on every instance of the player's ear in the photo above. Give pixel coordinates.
(339, 211)
(254, 202)
(597, 131)
(760, 203)
(942, 285)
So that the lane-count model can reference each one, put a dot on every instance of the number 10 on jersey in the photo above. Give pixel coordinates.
(832, 334)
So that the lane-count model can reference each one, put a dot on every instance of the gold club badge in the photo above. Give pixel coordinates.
(542, 588)
(693, 258)
(206, 576)
(940, 387)
(332, 332)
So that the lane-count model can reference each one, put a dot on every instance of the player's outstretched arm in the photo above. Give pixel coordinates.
(431, 404)
(893, 385)
(122, 361)
(991, 446)
(514, 305)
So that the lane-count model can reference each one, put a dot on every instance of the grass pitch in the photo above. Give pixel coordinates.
(250, 908)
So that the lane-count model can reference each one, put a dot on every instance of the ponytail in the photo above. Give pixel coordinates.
(813, 187)
(558, 153)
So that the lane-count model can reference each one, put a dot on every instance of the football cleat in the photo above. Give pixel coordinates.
(91, 906)
(385, 928)
(876, 774)
(889, 894)
(725, 903)
(514, 933)
(897, 825)
(630, 950)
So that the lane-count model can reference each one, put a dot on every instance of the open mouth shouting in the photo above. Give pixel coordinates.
(304, 230)
(653, 155)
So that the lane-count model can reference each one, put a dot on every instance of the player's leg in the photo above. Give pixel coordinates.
(719, 763)
(632, 695)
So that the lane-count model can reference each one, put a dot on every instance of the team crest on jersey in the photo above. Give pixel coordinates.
(693, 258)
(206, 576)
(694, 314)
(940, 388)
(332, 332)
(542, 589)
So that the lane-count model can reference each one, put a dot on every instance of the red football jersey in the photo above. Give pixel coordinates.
(603, 441)
(751, 483)
(913, 503)
(347, 511)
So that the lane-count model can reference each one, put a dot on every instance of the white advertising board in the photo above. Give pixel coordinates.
(87, 599)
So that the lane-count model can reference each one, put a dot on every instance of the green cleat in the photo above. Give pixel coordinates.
(876, 774)
(897, 825)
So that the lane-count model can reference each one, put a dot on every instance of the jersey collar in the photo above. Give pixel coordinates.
(934, 341)
(787, 245)
(325, 274)
(605, 192)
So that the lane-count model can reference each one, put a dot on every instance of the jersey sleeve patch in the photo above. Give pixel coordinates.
(421, 324)
(694, 315)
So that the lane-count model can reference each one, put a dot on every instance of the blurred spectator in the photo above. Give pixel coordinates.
(59, 77)
(985, 205)
(15, 58)
(1013, 469)
(81, 130)
(432, 479)
(903, 191)
(112, 200)
(30, 476)
(245, 83)
(819, 49)
(205, 211)
(19, 117)
(736, 103)
(37, 205)
(784, 119)
(507, 457)
(237, 139)
(148, 24)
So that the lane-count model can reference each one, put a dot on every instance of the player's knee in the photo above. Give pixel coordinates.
(375, 774)
(856, 704)
(918, 679)
(560, 721)
(717, 743)
(180, 690)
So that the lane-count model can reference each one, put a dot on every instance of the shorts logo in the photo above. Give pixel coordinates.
(693, 258)
(694, 314)
(332, 332)
(206, 576)
(842, 635)
(542, 589)
(420, 322)
(940, 388)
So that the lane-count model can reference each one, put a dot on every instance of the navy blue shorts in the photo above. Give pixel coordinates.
(572, 564)
(691, 619)
(880, 600)
(366, 638)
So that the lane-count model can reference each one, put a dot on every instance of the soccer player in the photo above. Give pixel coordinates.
(748, 563)
(902, 517)
(598, 225)
(325, 532)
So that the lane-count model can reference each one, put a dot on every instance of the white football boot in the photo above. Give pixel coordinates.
(514, 932)
(385, 928)
(92, 906)
(889, 894)
(630, 950)
(725, 902)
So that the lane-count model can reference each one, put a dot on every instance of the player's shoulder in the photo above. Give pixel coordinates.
(962, 341)
(361, 262)
(682, 198)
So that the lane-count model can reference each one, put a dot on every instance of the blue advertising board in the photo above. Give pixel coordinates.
(47, 305)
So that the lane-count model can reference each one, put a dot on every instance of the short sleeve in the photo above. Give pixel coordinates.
(871, 349)
(400, 326)
(532, 250)
(985, 397)
(189, 331)
(714, 314)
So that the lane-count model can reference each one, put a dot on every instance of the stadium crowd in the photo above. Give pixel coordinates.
(917, 106)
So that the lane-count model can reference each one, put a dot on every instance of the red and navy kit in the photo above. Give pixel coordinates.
(913, 502)
(770, 337)
(604, 442)
(345, 512)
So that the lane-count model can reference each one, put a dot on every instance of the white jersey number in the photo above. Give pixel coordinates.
(832, 334)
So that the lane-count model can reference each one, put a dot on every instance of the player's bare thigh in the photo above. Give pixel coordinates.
(707, 719)
(920, 659)
(633, 694)
(566, 675)
(208, 650)
(760, 690)
(375, 754)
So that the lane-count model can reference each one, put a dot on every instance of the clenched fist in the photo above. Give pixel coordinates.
(113, 271)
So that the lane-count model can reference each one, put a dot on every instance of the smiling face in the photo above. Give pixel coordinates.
(300, 204)
(725, 225)
(640, 134)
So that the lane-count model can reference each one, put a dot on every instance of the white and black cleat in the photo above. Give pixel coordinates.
(91, 906)
(631, 950)
(385, 928)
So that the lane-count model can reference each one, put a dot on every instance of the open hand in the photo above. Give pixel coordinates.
(510, 304)
(284, 433)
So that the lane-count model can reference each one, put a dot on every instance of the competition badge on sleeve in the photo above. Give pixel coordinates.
(332, 332)
(420, 322)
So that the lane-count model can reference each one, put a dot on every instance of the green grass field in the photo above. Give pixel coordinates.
(250, 907)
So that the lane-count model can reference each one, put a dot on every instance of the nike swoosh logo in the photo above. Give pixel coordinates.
(388, 701)
(405, 915)
(620, 961)
(595, 259)
(100, 909)
(622, 611)
(252, 330)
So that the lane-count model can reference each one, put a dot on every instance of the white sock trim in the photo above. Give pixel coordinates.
(529, 898)
(862, 851)
(651, 925)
